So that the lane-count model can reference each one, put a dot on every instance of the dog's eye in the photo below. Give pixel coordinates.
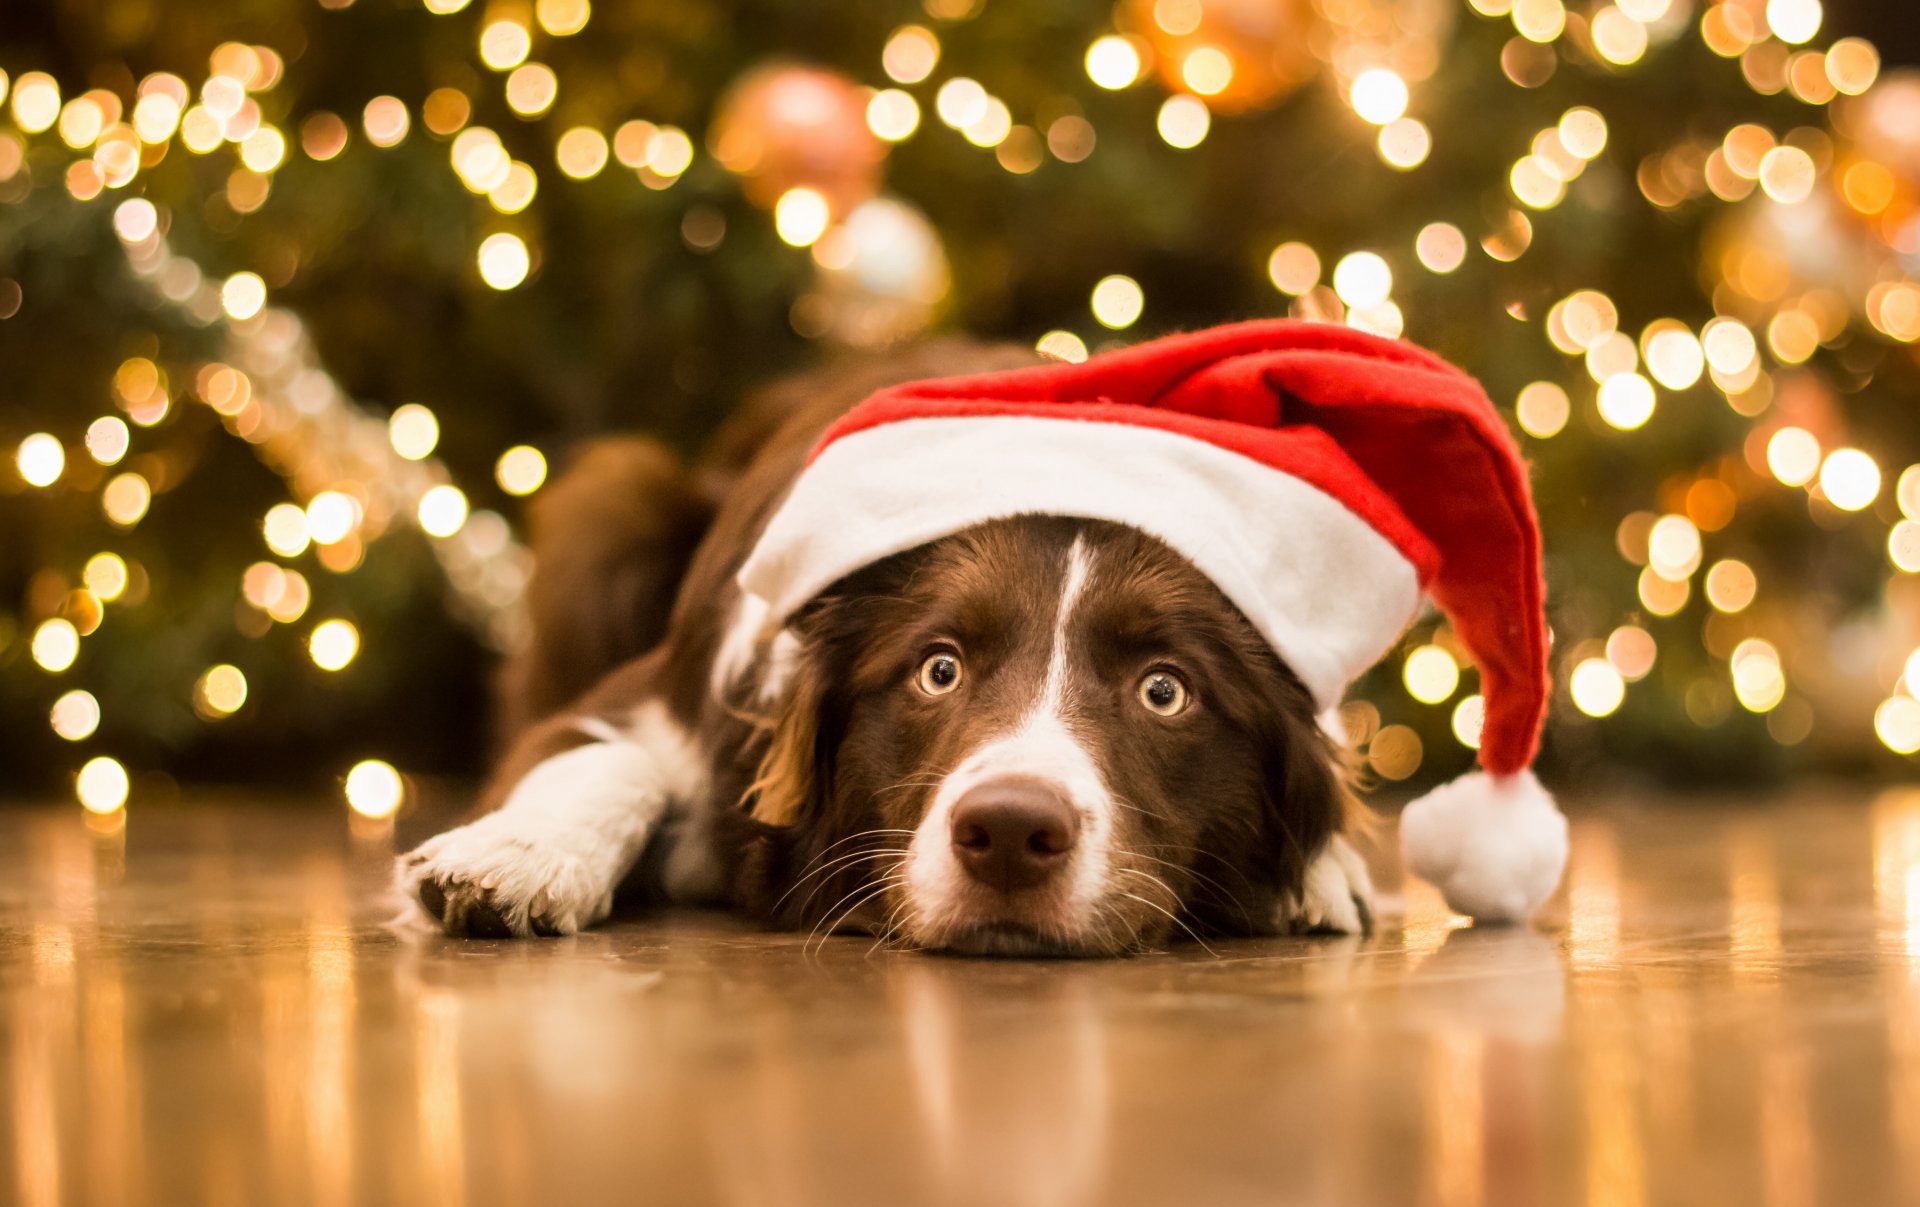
(1163, 693)
(939, 674)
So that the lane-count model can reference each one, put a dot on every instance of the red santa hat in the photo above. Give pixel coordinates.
(1323, 478)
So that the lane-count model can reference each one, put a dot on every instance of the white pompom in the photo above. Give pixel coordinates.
(1493, 846)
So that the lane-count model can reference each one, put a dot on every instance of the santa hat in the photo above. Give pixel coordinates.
(1323, 478)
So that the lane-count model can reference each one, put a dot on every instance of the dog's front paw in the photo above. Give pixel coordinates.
(1336, 897)
(486, 882)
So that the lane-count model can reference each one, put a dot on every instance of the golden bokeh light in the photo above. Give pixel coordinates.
(505, 45)
(220, 692)
(386, 121)
(532, 89)
(413, 431)
(1293, 268)
(1903, 546)
(102, 785)
(1793, 456)
(1850, 479)
(1626, 401)
(1794, 21)
(1787, 175)
(1583, 131)
(1853, 64)
(563, 18)
(1759, 683)
(893, 114)
(285, 529)
(41, 459)
(1062, 346)
(36, 101)
(911, 54)
(581, 152)
(135, 220)
(1674, 356)
(1469, 719)
(1395, 752)
(1897, 724)
(1617, 37)
(993, 126)
(445, 111)
(1663, 596)
(1440, 247)
(55, 645)
(1631, 650)
(108, 439)
(1729, 346)
(1112, 62)
(1183, 122)
(1207, 70)
(1118, 301)
(442, 511)
(960, 102)
(1362, 278)
(105, 574)
(1673, 547)
(374, 789)
(333, 644)
(801, 216)
(1731, 585)
(243, 296)
(1404, 143)
(126, 499)
(1430, 674)
(1596, 687)
(1539, 20)
(332, 516)
(521, 470)
(75, 716)
(1378, 95)
(503, 260)
(1543, 409)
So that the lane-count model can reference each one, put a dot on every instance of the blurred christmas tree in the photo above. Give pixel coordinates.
(297, 299)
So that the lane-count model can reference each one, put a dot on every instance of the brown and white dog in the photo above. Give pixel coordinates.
(1036, 736)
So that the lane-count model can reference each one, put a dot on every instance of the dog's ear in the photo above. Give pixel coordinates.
(791, 779)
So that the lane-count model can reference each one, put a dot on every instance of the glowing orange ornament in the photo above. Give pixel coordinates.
(1236, 54)
(786, 127)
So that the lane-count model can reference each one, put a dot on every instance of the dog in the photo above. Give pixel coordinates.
(1038, 736)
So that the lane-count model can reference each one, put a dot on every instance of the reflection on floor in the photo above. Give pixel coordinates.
(202, 1007)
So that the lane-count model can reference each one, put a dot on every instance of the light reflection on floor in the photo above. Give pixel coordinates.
(1723, 1006)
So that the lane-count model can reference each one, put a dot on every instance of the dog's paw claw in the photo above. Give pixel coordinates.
(487, 885)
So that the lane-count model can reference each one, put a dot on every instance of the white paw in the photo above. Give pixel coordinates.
(488, 881)
(1336, 897)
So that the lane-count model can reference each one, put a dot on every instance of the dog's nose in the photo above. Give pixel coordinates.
(1013, 832)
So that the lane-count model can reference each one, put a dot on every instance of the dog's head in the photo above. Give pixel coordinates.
(1037, 736)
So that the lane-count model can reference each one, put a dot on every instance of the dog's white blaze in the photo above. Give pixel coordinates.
(573, 826)
(1042, 746)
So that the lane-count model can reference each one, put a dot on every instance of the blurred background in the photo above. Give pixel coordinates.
(302, 300)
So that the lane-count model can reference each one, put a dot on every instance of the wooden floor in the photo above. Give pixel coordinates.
(203, 1008)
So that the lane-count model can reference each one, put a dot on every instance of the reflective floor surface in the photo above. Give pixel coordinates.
(1723, 1007)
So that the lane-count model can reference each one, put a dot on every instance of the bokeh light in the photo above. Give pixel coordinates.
(41, 459)
(374, 789)
(333, 644)
(102, 785)
(75, 716)
(1596, 687)
(1118, 301)
(520, 470)
(1431, 675)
